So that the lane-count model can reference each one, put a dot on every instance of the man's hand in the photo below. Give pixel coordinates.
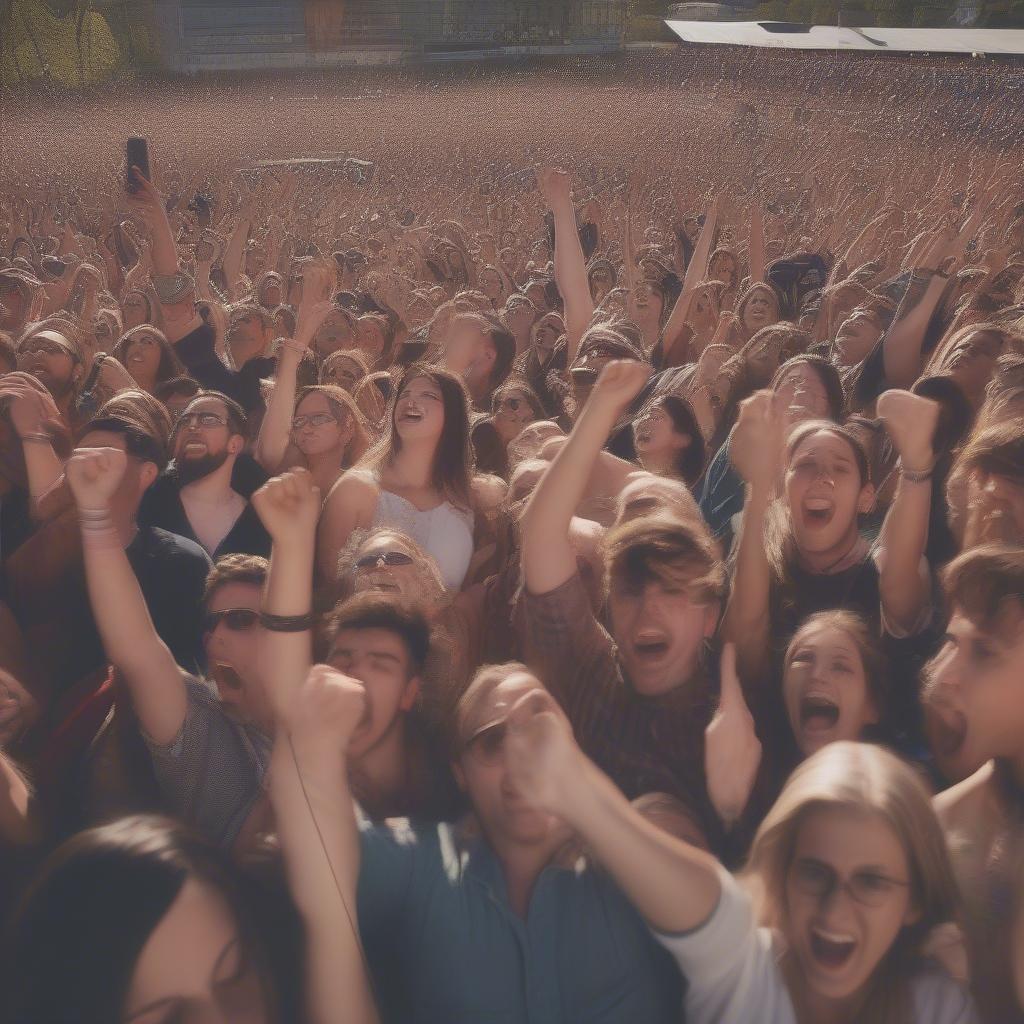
(555, 185)
(732, 751)
(759, 440)
(322, 716)
(289, 506)
(94, 474)
(544, 763)
(619, 383)
(910, 421)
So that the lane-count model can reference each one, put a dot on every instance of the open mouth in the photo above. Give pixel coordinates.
(650, 648)
(830, 949)
(194, 448)
(410, 416)
(818, 713)
(818, 512)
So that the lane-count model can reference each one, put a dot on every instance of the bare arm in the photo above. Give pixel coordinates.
(695, 273)
(755, 259)
(349, 506)
(156, 683)
(549, 559)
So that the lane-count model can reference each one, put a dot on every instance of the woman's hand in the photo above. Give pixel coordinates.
(732, 751)
(619, 383)
(910, 421)
(289, 506)
(758, 442)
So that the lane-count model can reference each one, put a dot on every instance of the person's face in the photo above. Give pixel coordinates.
(419, 410)
(702, 316)
(804, 394)
(839, 940)
(644, 302)
(659, 630)
(387, 565)
(723, 268)
(344, 372)
(491, 286)
(857, 336)
(655, 434)
(481, 770)
(194, 967)
(514, 412)
(134, 311)
(315, 427)
(102, 332)
(142, 359)
(825, 689)
(13, 309)
(369, 338)
(535, 293)
(519, 316)
(692, 228)
(231, 643)
(601, 283)
(334, 334)
(973, 362)
(203, 434)
(51, 364)
(763, 359)
(545, 338)
(974, 704)
(247, 338)
(825, 494)
(647, 494)
(999, 499)
(759, 311)
(379, 659)
(271, 294)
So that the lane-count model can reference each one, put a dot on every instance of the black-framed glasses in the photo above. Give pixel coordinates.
(209, 420)
(316, 419)
(488, 745)
(238, 620)
(820, 881)
(384, 558)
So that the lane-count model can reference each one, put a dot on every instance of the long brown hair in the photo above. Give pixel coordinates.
(170, 365)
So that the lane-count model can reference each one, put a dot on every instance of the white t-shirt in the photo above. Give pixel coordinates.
(733, 975)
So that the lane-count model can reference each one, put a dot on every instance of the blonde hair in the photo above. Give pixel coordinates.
(864, 778)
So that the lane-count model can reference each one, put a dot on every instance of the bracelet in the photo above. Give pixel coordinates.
(37, 438)
(95, 519)
(919, 477)
(287, 623)
(293, 346)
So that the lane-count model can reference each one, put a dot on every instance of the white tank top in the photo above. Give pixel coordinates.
(445, 532)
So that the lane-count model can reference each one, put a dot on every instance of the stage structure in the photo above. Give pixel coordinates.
(784, 35)
(222, 35)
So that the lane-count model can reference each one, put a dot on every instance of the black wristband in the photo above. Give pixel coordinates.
(287, 623)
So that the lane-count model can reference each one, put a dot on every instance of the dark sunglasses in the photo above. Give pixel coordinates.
(388, 558)
(238, 620)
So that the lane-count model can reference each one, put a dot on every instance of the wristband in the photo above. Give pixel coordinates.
(36, 438)
(917, 477)
(287, 623)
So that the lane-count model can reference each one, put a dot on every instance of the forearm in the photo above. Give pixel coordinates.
(233, 254)
(43, 467)
(904, 537)
(571, 274)
(275, 430)
(746, 613)
(902, 346)
(756, 254)
(320, 842)
(697, 269)
(673, 885)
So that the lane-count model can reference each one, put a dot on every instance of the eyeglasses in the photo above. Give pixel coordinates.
(207, 420)
(238, 620)
(381, 558)
(317, 419)
(488, 745)
(868, 888)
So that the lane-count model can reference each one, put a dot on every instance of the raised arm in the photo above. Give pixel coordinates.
(549, 558)
(570, 265)
(320, 840)
(910, 421)
(673, 885)
(755, 256)
(154, 680)
(695, 273)
(756, 452)
(35, 419)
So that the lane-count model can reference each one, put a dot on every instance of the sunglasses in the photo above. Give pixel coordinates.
(318, 419)
(238, 620)
(388, 558)
(488, 745)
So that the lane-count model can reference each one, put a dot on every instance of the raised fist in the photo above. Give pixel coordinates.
(620, 382)
(322, 716)
(289, 506)
(910, 422)
(94, 474)
(759, 439)
(555, 185)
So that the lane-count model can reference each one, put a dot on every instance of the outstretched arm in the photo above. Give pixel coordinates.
(156, 683)
(755, 258)
(549, 559)
(320, 840)
(756, 452)
(696, 271)
(910, 421)
(672, 884)
(570, 265)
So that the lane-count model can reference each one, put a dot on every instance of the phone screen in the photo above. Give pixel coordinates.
(136, 155)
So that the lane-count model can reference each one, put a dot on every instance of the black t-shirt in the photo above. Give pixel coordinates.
(161, 506)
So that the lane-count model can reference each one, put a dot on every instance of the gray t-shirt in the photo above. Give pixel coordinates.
(733, 976)
(212, 772)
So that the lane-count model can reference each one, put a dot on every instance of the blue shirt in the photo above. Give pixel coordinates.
(445, 947)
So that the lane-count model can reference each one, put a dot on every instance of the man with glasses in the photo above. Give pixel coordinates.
(204, 494)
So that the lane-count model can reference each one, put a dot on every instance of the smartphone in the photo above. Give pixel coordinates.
(136, 155)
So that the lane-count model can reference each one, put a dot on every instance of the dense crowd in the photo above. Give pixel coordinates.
(559, 590)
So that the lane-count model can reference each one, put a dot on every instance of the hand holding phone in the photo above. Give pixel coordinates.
(136, 155)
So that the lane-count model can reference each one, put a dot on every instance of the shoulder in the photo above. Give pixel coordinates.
(488, 492)
(938, 999)
(184, 552)
(959, 802)
(355, 485)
